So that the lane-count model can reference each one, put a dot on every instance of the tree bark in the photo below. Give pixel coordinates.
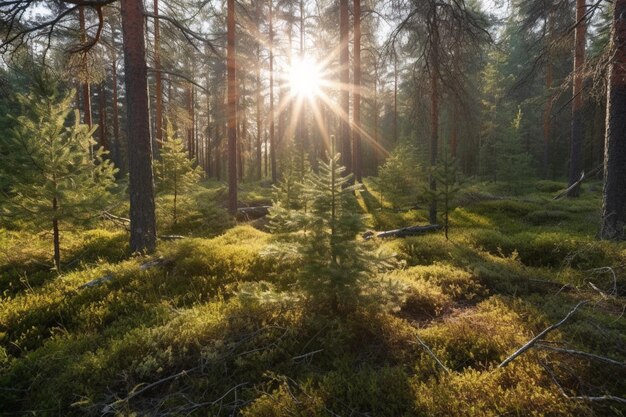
(231, 108)
(302, 139)
(86, 89)
(454, 136)
(395, 96)
(344, 78)
(158, 76)
(141, 185)
(577, 137)
(614, 204)
(434, 138)
(357, 91)
(271, 75)
(259, 104)
(116, 116)
(547, 114)
(55, 236)
(102, 104)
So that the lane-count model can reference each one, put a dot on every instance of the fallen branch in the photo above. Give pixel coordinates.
(583, 354)
(581, 397)
(432, 355)
(172, 237)
(110, 216)
(562, 287)
(403, 232)
(252, 213)
(582, 178)
(108, 277)
(109, 408)
(534, 340)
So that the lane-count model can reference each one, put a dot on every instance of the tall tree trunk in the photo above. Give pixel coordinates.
(259, 104)
(454, 136)
(158, 76)
(141, 185)
(357, 90)
(344, 79)
(302, 139)
(116, 116)
(614, 205)
(376, 113)
(207, 157)
(243, 132)
(102, 109)
(86, 89)
(395, 96)
(434, 137)
(55, 236)
(194, 121)
(231, 108)
(190, 145)
(218, 151)
(272, 138)
(578, 128)
(547, 114)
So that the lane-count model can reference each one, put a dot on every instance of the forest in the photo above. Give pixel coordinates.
(350, 208)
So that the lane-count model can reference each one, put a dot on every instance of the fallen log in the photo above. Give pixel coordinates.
(172, 237)
(108, 277)
(403, 232)
(252, 213)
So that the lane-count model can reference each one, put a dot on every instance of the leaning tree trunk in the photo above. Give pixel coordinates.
(614, 207)
(141, 185)
(577, 138)
(231, 109)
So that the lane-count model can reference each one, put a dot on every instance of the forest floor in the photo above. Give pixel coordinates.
(211, 324)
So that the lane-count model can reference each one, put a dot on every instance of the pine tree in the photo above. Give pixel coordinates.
(175, 172)
(53, 178)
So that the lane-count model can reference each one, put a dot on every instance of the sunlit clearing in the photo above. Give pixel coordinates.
(305, 78)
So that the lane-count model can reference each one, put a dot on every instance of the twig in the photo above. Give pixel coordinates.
(581, 397)
(110, 407)
(432, 354)
(534, 340)
(584, 354)
(306, 355)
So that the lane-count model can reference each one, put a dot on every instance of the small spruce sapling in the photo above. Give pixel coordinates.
(175, 172)
(397, 176)
(53, 177)
(446, 175)
(515, 163)
(289, 211)
(334, 264)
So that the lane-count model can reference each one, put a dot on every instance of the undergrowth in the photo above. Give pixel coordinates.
(215, 323)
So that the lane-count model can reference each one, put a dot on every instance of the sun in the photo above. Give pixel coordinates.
(305, 78)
